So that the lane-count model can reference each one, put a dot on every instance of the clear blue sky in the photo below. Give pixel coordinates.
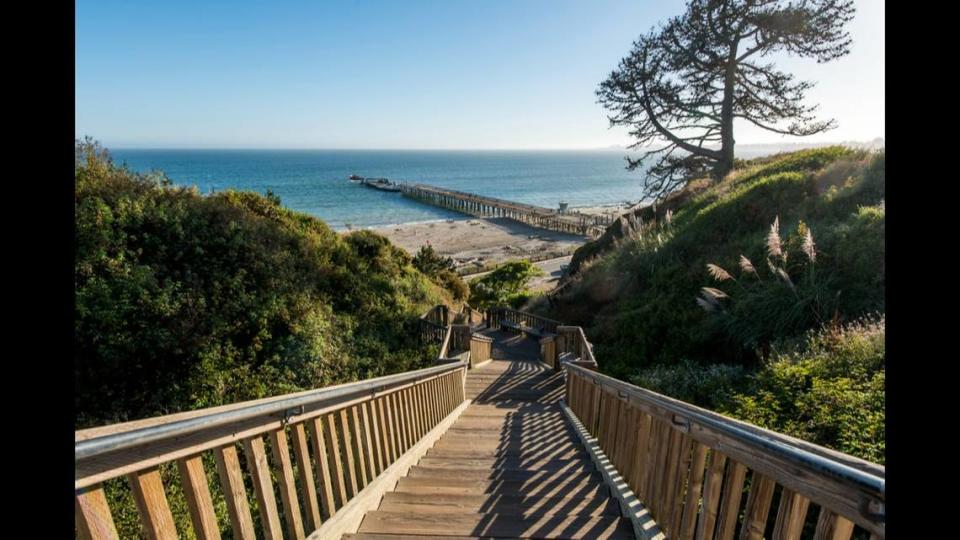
(391, 74)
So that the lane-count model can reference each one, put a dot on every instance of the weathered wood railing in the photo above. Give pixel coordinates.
(433, 324)
(690, 468)
(497, 315)
(344, 438)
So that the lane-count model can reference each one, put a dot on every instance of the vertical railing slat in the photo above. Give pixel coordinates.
(376, 454)
(831, 526)
(711, 496)
(155, 516)
(288, 486)
(93, 518)
(698, 462)
(259, 470)
(346, 442)
(197, 492)
(790, 516)
(336, 464)
(730, 506)
(322, 456)
(301, 451)
(356, 433)
(231, 481)
(758, 507)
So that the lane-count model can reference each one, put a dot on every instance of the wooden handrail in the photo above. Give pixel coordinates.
(661, 445)
(356, 431)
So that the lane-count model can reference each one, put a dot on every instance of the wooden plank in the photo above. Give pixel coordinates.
(758, 507)
(372, 434)
(93, 518)
(384, 422)
(197, 491)
(790, 516)
(288, 486)
(730, 506)
(259, 471)
(639, 469)
(694, 486)
(322, 455)
(155, 516)
(231, 481)
(356, 433)
(409, 418)
(555, 527)
(301, 451)
(336, 465)
(401, 426)
(415, 410)
(680, 478)
(711, 496)
(832, 526)
(391, 428)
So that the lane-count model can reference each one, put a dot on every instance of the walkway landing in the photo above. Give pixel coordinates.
(509, 467)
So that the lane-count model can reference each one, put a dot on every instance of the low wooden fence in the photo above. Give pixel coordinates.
(497, 315)
(481, 349)
(342, 438)
(691, 469)
(433, 324)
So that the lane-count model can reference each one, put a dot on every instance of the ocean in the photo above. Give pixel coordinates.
(315, 181)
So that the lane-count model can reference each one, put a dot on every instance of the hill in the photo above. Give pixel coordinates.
(774, 316)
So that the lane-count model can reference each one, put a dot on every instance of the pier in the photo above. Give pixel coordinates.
(483, 206)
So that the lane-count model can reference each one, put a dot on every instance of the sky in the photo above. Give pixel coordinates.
(445, 74)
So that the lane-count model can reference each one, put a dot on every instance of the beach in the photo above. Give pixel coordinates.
(479, 242)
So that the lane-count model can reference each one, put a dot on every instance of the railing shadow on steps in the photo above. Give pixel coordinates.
(697, 473)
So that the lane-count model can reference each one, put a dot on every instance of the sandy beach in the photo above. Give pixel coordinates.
(478, 242)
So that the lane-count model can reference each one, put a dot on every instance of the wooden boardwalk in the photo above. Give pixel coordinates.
(510, 467)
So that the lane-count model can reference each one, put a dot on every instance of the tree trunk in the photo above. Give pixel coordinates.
(725, 164)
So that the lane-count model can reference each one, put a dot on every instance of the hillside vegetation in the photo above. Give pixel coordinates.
(785, 329)
(186, 301)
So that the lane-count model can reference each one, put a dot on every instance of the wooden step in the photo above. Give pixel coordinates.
(469, 452)
(590, 486)
(504, 475)
(467, 524)
(499, 504)
(582, 464)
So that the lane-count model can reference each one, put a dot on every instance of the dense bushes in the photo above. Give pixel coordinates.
(442, 270)
(186, 301)
(827, 387)
(507, 285)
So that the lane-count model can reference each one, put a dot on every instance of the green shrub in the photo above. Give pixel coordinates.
(442, 270)
(710, 386)
(828, 389)
(505, 285)
(186, 301)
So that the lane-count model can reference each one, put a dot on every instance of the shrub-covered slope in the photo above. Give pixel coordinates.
(187, 301)
(636, 295)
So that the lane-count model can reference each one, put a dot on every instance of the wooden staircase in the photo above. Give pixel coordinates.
(510, 467)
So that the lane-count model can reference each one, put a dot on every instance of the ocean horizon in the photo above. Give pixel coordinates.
(316, 181)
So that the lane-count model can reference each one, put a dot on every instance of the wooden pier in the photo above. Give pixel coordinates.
(482, 206)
